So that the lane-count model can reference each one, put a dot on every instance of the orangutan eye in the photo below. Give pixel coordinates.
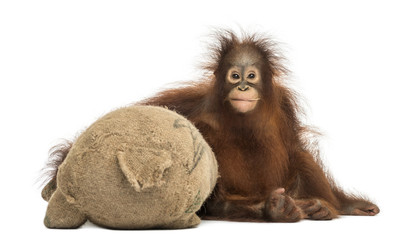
(235, 76)
(251, 76)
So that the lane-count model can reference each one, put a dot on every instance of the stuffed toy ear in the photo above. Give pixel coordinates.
(144, 167)
(49, 189)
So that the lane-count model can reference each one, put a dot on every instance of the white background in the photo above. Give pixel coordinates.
(64, 64)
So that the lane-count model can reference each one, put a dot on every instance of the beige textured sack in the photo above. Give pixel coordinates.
(138, 167)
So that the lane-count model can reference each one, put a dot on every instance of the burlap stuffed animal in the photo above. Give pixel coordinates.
(138, 167)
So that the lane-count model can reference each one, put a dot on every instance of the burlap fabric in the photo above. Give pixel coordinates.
(138, 167)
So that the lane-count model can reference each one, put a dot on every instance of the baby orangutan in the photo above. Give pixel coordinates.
(268, 171)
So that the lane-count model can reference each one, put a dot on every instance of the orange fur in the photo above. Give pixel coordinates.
(269, 171)
(261, 151)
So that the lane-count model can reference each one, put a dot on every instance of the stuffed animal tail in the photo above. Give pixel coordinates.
(57, 155)
(144, 167)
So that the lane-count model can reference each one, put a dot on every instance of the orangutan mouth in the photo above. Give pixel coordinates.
(245, 100)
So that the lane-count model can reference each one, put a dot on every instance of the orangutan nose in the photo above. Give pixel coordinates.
(243, 87)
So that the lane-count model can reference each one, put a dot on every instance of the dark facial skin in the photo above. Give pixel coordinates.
(244, 80)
